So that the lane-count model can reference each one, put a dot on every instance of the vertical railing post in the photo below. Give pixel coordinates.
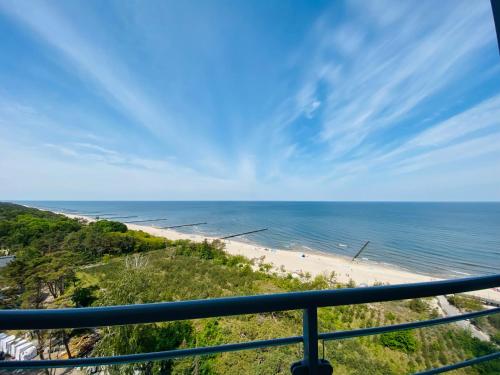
(310, 329)
(310, 364)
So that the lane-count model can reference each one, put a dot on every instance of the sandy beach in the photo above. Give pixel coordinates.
(361, 271)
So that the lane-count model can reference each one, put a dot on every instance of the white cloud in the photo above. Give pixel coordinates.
(469, 149)
(449, 141)
(64, 151)
(394, 70)
(312, 108)
(481, 116)
(96, 148)
(358, 79)
(110, 76)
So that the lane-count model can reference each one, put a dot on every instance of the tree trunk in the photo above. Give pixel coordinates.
(40, 347)
(65, 339)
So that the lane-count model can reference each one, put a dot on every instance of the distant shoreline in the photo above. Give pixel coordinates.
(314, 263)
(437, 240)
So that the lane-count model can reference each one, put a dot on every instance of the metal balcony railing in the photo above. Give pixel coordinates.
(309, 302)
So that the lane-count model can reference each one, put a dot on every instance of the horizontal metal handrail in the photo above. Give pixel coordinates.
(147, 357)
(467, 363)
(405, 326)
(308, 301)
(196, 309)
(179, 353)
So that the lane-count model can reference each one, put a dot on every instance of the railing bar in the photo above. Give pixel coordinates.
(146, 357)
(196, 309)
(310, 331)
(399, 327)
(470, 362)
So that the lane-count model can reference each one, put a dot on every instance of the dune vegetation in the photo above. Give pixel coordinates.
(62, 262)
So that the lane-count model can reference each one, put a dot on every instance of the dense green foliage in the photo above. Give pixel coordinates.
(84, 296)
(400, 340)
(21, 227)
(105, 237)
(48, 247)
(64, 262)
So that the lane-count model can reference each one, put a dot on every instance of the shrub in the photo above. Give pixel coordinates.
(109, 226)
(390, 316)
(204, 250)
(83, 297)
(418, 305)
(401, 340)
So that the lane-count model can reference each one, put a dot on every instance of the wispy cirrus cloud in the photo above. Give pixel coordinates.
(110, 76)
(96, 64)
(455, 153)
(381, 75)
(384, 78)
(466, 135)
(482, 116)
(366, 93)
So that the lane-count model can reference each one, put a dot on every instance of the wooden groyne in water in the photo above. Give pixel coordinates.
(183, 225)
(143, 221)
(242, 234)
(121, 217)
(360, 251)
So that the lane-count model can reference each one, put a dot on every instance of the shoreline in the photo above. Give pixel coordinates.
(362, 272)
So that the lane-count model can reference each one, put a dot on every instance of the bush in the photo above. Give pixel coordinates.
(109, 226)
(401, 340)
(418, 305)
(204, 250)
(390, 316)
(83, 297)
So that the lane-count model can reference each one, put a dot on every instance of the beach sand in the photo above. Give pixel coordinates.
(360, 271)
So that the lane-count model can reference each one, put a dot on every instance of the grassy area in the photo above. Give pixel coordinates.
(465, 303)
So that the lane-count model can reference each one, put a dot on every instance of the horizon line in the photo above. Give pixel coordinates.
(254, 200)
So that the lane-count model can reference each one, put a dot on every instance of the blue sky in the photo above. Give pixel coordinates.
(255, 100)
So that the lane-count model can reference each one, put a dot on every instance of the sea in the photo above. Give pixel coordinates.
(436, 239)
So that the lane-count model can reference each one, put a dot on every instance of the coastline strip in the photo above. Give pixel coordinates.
(314, 263)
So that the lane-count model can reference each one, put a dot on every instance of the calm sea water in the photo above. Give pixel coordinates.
(439, 239)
